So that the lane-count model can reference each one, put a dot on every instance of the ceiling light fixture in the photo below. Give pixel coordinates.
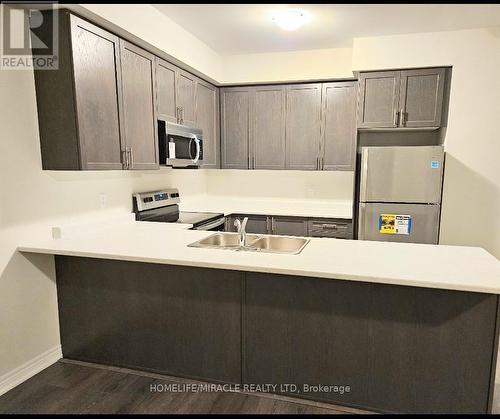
(289, 19)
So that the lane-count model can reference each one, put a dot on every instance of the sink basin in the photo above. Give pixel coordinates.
(280, 244)
(224, 240)
(256, 243)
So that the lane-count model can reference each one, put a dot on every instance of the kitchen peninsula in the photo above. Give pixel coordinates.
(408, 327)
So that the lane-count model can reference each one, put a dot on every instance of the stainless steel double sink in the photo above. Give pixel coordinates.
(254, 242)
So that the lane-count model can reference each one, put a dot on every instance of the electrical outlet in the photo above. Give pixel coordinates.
(103, 200)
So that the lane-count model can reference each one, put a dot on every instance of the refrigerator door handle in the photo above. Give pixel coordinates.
(364, 174)
(361, 220)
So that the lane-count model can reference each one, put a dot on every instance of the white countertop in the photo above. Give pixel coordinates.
(421, 265)
(326, 208)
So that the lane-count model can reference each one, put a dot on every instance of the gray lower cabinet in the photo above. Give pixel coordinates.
(235, 127)
(289, 226)
(330, 227)
(339, 125)
(139, 109)
(79, 103)
(398, 349)
(154, 317)
(207, 119)
(257, 224)
(385, 348)
(401, 99)
(303, 126)
(294, 226)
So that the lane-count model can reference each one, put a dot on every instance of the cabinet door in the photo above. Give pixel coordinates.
(379, 96)
(98, 93)
(139, 115)
(207, 119)
(421, 98)
(303, 120)
(269, 127)
(185, 93)
(289, 226)
(339, 125)
(257, 224)
(165, 90)
(235, 127)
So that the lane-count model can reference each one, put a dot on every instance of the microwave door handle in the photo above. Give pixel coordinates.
(198, 150)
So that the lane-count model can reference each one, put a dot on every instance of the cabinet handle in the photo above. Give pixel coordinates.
(253, 162)
(322, 163)
(402, 121)
(396, 118)
(182, 115)
(267, 224)
(131, 158)
(272, 225)
(177, 114)
(317, 163)
(125, 159)
(333, 227)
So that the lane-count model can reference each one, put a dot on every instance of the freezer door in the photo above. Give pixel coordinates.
(401, 174)
(417, 223)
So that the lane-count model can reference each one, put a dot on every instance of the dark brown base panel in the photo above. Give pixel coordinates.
(386, 348)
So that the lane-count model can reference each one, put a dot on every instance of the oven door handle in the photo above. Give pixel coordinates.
(209, 226)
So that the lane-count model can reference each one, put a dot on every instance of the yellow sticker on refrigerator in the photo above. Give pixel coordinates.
(394, 224)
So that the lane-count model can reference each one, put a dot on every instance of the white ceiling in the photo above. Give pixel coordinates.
(247, 28)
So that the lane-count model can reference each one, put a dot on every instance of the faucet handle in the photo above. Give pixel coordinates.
(237, 224)
(244, 224)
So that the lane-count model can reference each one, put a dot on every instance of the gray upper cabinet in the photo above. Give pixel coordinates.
(165, 93)
(303, 121)
(379, 97)
(207, 119)
(175, 94)
(401, 99)
(235, 127)
(139, 110)
(421, 97)
(185, 97)
(339, 125)
(79, 103)
(269, 127)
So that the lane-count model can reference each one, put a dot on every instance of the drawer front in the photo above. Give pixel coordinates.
(340, 229)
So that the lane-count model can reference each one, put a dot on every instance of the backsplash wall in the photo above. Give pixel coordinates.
(288, 184)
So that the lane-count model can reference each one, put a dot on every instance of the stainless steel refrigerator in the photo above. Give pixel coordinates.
(400, 193)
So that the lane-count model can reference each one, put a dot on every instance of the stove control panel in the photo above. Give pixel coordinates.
(156, 199)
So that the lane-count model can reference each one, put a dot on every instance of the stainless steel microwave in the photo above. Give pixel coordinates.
(180, 145)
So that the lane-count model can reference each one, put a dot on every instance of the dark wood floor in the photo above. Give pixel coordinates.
(71, 387)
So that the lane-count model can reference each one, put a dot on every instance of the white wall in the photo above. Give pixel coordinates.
(30, 201)
(287, 184)
(288, 66)
(471, 194)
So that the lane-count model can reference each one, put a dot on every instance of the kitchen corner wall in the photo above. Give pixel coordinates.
(32, 199)
(471, 191)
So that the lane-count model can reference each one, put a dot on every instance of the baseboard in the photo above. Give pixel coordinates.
(20, 374)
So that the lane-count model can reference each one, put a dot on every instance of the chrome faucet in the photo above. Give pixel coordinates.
(241, 230)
